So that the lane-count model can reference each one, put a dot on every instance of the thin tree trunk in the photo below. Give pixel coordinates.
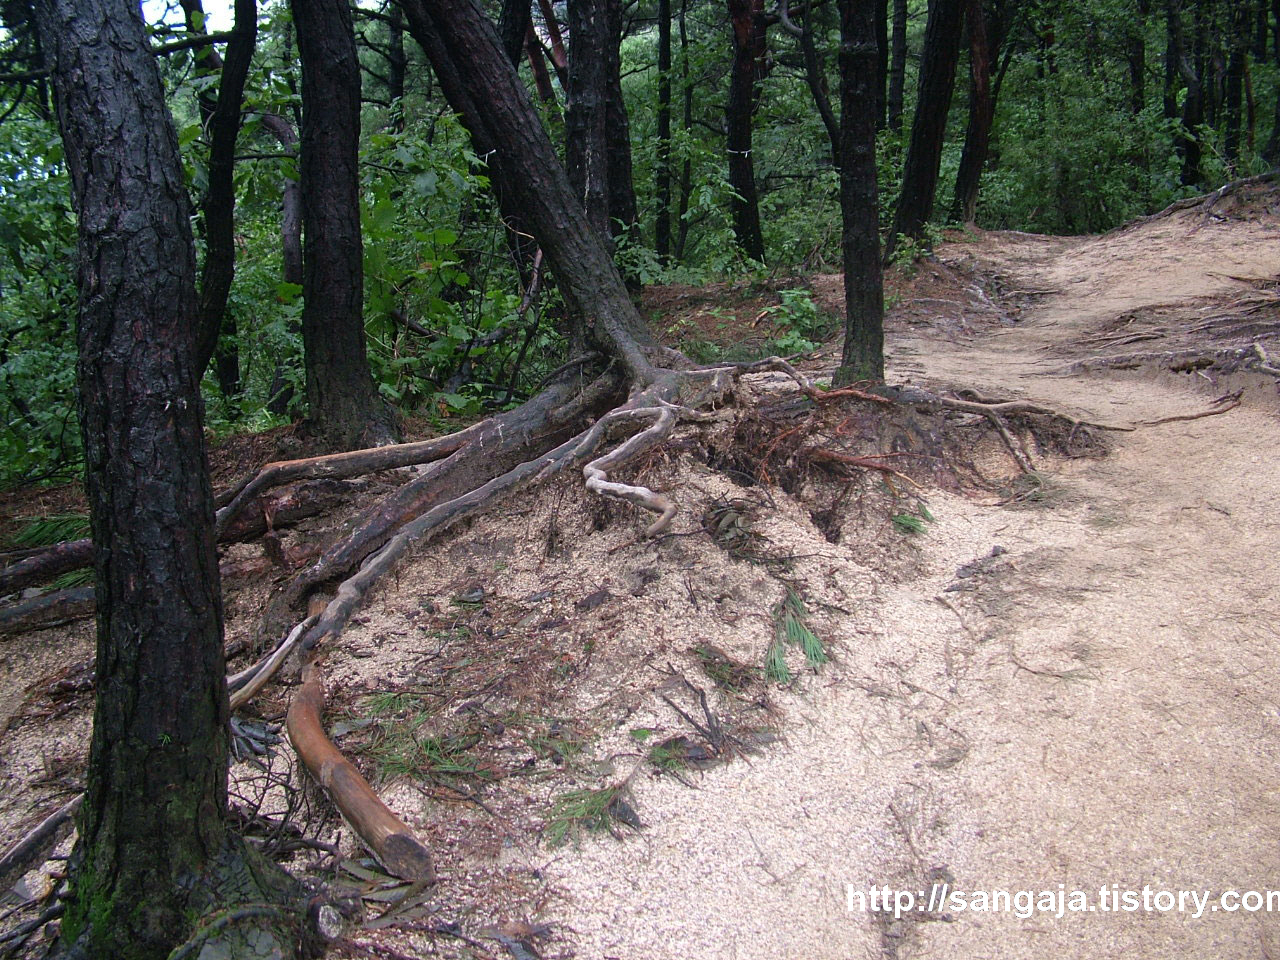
(929, 129)
(585, 116)
(495, 106)
(747, 71)
(815, 76)
(538, 67)
(344, 407)
(863, 357)
(1271, 149)
(973, 159)
(623, 213)
(898, 64)
(559, 59)
(882, 64)
(221, 116)
(662, 166)
(1234, 104)
(686, 169)
(154, 850)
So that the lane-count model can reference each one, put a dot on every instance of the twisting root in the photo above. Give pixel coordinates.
(595, 471)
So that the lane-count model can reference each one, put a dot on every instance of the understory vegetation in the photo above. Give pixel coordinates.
(1090, 130)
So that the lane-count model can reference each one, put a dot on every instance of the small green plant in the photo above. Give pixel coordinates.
(587, 810)
(913, 522)
(73, 578)
(775, 663)
(789, 618)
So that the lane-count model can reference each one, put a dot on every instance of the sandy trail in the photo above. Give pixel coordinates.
(1101, 709)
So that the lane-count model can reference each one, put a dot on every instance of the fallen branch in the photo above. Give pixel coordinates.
(38, 843)
(1231, 401)
(244, 686)
(385, 834)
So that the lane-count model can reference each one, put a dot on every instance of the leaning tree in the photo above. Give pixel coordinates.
(155, 855)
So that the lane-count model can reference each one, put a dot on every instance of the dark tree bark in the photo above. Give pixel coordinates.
(597, 138)
(221, 117)
(1172, 57)
(746, 18)
(686, 116)
(585, 115)
(863, 357)
(623, 213)
(513, 27)
(929, 129)
(983, 48)
(662, 165)
(815, 74)
(1192, 68)
(155, 851)
(1271, 149)
(1234, 103)
(483, 87)
(897, 64)
(345, 410)
(882, 64)
(538, 66)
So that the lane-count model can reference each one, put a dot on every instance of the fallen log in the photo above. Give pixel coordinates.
(37, 844)
(281, 509)
(385, 834)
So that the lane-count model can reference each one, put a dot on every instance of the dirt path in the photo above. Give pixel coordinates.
(1099, 707)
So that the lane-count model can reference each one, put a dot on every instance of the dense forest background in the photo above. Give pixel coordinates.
(1103, 110)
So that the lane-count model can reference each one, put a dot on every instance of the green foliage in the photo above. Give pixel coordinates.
(584, 811)
(913, 522)
(55, 528)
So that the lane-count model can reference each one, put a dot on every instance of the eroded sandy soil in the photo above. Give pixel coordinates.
(1094, 705)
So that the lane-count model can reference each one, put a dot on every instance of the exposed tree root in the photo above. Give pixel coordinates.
(1205, 203)
(281, 509)
(1228, 360)
(385, 834)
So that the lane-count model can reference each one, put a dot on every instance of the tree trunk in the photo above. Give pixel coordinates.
(1234, 105)
(585, 116)
(983, 48)
(863, 357)
(623, 214)
(344, 407)
(882, 64)
(662, 164)
(747, 71)
(686, 169)
(221, 117)
(898, 64)
(816, 76)
(1271, 149)
(1172, 57)
(929, 129)
(154, 851)
(495, 106)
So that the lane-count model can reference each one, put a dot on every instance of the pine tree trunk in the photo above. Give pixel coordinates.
(154, 844)
(662, 171)
(897, 64)
(747, 20)
(982, 50)
(863, 357)
(585, 116)
(929, 129)
(344, 407)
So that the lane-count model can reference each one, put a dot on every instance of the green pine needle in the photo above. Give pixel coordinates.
(56, 528)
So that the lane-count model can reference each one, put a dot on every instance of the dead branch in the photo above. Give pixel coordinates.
(47, 610)
(280, 509)
(36, 845)
(385, 834)
(1229, 402)
(597, 478)
(244, 686)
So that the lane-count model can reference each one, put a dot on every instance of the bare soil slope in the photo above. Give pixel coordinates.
(1097, 707)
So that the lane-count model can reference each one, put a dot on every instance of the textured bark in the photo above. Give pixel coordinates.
(344, 406)
(662, 164)
(882, 64)
(221, 117)
(585, 115)
(514, 24)
(897, 64)
(485, 90)
(154, 845)
(937, 79)
(746, 17)
(623, 213)
(983, 48)
(863, 357)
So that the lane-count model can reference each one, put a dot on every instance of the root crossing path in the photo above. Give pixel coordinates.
(1097, 708)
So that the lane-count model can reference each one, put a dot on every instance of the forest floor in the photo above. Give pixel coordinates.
(1094, 703)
